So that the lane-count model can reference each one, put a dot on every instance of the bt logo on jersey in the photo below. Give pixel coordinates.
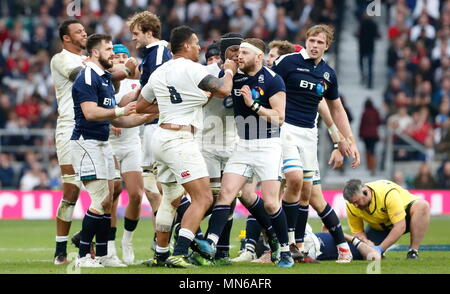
(306, 84)
(107, 101)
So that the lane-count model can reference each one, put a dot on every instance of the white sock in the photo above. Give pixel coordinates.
(62, 238)
(343, 245)
(214, 238)
(127, 235)
(186, 233)
(162, 249)
(291, 236)
(250, 247)
(112, 248)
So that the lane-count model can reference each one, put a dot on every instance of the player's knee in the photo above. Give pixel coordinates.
(71, 187)
(117, 187)
(135, 198)
(271, 207)
(100, 195)
(65, 210)
(294, 183)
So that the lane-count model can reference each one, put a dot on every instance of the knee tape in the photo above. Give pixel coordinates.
(71, 179)
(166, 212)
(99, 191)
(308, 175)
(65, 210)
(215, 188)
(150, 182)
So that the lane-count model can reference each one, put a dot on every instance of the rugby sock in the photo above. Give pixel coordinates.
(332, 223)
(101, 238)
(162, 253)
(61, 245)
(112, 234)
(291, 210)
(252, 230)
(279, 224)
(90, 226)
(129, 227)
(259, 213)
(223, 245)
(301, 223)
(217, 222)
(184, 240)
(184, 205)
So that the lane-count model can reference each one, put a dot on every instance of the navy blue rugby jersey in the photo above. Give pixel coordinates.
(155, 54)
(306, 84)
(264, 84)
(92, 84)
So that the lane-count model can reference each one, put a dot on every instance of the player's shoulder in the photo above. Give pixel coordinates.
(287, 58)
(213, 69)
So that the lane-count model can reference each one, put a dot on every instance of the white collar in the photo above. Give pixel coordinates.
(96, 68)
(305, 55)
(160, 42)
(68, 52)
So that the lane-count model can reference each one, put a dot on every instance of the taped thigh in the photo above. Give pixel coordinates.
(166, 211)
(149, 179)
(71, 179)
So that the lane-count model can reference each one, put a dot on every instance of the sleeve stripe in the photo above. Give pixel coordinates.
(159, 55)
(87, 76)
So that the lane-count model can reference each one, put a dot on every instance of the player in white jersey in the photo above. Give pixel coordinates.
(126, 145)
(179, 87)
(65, 67)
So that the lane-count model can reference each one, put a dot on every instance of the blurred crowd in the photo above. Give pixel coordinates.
(29, 38)
(417, 96)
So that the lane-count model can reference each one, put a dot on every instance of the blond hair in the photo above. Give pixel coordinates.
(321, 28)
(146, 21)
(258, 43)
(284, 47)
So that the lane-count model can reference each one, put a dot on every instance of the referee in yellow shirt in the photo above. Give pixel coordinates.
(389, 210)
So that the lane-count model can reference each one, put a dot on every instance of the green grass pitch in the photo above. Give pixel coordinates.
(27, 247)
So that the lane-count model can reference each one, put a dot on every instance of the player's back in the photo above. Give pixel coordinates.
(175, 85)
(218, 130)
(61, 65)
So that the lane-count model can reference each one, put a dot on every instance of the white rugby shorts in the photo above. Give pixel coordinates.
(299, 148)
(261, 158)
(62, 144)
(92, 159)
(177, 155)
(148, 159)
(129, 156)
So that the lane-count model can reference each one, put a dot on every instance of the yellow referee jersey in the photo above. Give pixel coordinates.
(386, 208)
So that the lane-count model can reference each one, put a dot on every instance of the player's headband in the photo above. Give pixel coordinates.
(251, 47)
(119, 48)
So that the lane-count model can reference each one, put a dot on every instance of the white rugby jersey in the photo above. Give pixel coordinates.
(175, 86)
(126, 86)
(219, 126)
(61, 65)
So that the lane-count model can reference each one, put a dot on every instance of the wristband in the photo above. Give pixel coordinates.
(119, 111)
(335, 146)
(127, 72)
(230, 71)
(378, 248)
(334, 133)
(356, 242)
(255, 106)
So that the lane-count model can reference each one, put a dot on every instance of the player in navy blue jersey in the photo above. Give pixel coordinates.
(92, 156)
(308, 79)
(258, 102)
(145, 28)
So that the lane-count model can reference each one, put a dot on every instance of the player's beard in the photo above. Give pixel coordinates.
(106, 63)
(247, 67)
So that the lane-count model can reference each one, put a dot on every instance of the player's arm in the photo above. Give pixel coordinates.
(93, 112)
(396, 212)
(147, 101)
(336, 136)
(340, 118)
(133, 120)
(367, 252)
(277, 102)
(356, 224)
(74, 73)
(129, 97)
(220, 87)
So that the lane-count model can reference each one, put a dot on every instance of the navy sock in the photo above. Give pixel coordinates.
(101, 238)
(291, 210)
(130, 224)
(279, 224)
(332, 223)
(112, 234)
(301, 223)
(259, 213)
(183, 242)
(218, 220)
(61, 248)
(223, 245)
(89, 228)
(252, 230)
(184, 205)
